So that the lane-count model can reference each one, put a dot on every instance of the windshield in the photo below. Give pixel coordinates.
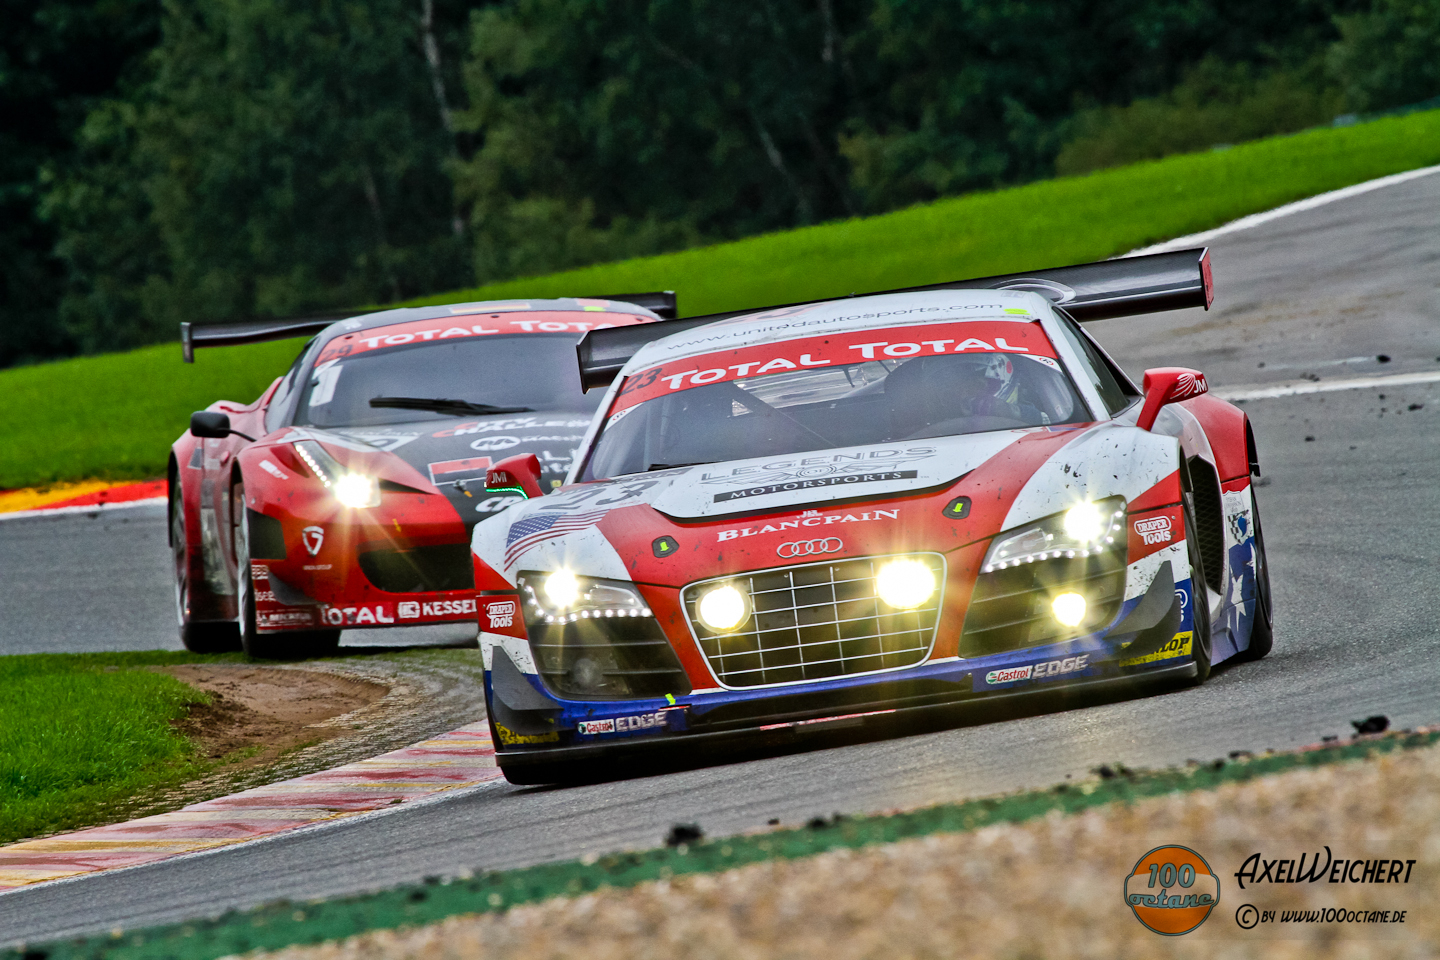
(944, 380)
(529, 371)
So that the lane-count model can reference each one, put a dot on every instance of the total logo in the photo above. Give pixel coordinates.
(411, 610)
(809, 548)
(501, 614)
(1039, 671)
(1153, 530)
(355, 616)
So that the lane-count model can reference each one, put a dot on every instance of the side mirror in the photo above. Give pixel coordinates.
(210, 424)
(520, 472)
(1166, 385)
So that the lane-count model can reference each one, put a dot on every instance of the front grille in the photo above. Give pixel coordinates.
(817, 621)
(445, 566)
(1011, 609)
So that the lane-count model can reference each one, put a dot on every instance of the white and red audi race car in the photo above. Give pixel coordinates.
(860, 507)
(344, 497)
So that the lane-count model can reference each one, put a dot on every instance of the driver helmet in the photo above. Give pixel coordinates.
(998, 373)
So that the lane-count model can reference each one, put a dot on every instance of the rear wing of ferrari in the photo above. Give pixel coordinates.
(662, 303)
(1089, 291)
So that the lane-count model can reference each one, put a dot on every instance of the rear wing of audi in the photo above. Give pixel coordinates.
(1089, 291)
(662, 303)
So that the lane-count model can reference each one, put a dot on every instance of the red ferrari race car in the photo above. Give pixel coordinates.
(830, 513)
(345, 495)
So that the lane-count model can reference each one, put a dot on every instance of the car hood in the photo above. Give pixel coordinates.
(726, 517)
(824, 476)
(453, 454)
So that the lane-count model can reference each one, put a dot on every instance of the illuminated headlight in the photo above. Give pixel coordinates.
(905, 583)
(1069, 609)
(1084, 523)
(722, 608)
(560, 596)
(354, 490)
(562, 589)
(1087, 528)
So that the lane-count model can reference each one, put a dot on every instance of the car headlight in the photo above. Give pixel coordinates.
(350, 489)
(1069, 609)
(1087, 528)
(722, 608)
(905, 583)
(559, 596)
(595, 639)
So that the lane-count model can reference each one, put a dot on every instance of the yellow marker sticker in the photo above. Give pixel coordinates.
(1177, 647)
(1023, 313)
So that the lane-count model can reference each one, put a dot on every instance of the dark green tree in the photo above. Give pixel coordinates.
(1390, 54)
(280, 158)
(57, 59)
(609, 128)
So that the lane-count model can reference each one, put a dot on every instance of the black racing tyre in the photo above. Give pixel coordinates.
(290, 645)
(1200, 640)
(1262, 634)
(198, 636)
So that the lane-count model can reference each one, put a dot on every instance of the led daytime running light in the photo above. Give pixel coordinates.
(1048, 539)
(581, 607)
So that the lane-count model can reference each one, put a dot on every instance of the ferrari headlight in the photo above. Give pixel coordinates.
(356, 490)
(722, 608)
(560, 596)
(1087, 528)
(905, 583)
(350, 489)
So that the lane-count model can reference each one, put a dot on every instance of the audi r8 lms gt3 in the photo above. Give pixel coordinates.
(345, 495)
(846, 509)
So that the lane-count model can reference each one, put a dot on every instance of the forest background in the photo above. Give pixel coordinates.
(210, 160)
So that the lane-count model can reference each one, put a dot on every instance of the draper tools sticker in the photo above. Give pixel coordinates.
(1172, 890)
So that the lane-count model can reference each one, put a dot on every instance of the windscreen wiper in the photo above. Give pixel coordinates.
(443, 405)
(675, 466)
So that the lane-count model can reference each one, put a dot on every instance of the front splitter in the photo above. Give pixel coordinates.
(517, 763)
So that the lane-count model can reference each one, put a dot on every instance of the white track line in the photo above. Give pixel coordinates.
(86, 508)
(1298, 387)
(1299, 206)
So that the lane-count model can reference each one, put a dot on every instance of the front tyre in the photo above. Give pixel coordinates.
(290, 645)
(1200, 640)
(198, 636)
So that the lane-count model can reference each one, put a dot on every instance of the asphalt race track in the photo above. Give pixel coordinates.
(1350, 522)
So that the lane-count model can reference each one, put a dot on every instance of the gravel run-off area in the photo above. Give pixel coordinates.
(1049, 888)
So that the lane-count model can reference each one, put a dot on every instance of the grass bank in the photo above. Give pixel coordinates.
(115, 416)
(82, 734)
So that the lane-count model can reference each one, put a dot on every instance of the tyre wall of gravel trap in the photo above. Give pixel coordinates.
(282, 925)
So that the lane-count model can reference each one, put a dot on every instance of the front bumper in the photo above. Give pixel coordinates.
(784, 729)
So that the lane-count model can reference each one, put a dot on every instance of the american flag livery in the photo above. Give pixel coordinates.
(526, 533)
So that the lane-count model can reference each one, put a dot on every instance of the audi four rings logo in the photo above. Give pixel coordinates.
(809, 548)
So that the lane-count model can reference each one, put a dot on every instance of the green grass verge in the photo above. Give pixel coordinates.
(116, 415)
(282, 925)
(83, 734)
